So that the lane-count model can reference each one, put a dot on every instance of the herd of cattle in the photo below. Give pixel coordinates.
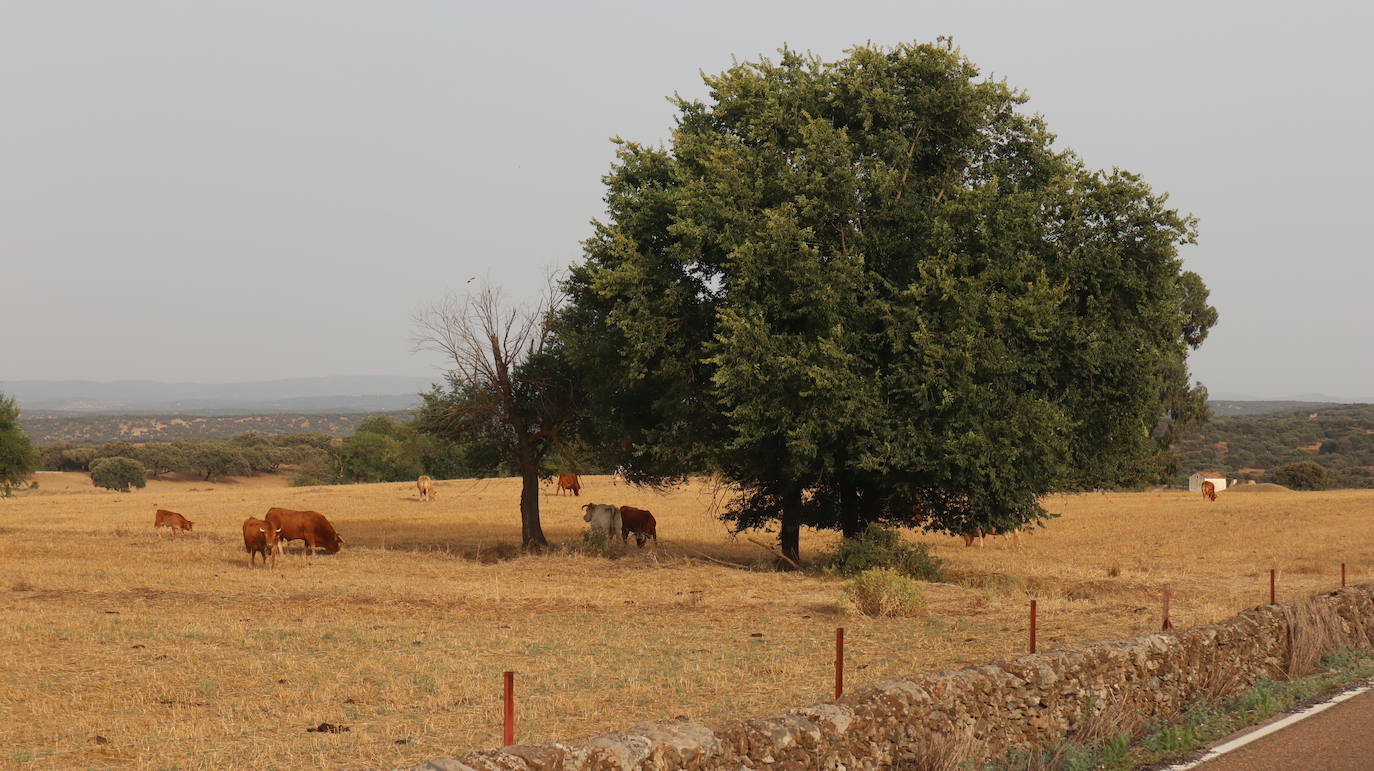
(268, 536)
(271, 534)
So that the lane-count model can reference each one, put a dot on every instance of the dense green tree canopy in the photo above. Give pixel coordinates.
(118, 473)
(873, 290)
(1304, 475)
(18, 458)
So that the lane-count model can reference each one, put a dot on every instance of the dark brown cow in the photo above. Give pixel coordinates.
(1209, 491)
(637, 521)
(260, 537)
(569, 482)
(171, 520)
(308, 526)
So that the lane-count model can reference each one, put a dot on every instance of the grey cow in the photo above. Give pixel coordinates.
(604, 517)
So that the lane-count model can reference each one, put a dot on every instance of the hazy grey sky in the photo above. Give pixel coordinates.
(220, 191)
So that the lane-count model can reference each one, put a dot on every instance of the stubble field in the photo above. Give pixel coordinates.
(126, 648)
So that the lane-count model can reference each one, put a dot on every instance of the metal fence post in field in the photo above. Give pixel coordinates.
(1342, 575)
(1032, 627)
(839, 662)
(1167, 623)
(508, 736)
(1272, 596)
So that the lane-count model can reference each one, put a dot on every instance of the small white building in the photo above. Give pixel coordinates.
(1217, 479)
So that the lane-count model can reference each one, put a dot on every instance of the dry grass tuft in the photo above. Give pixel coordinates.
(944, 752)
(1314, 630)
(1099, 723)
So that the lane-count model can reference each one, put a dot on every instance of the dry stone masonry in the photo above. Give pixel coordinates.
(1031, 702)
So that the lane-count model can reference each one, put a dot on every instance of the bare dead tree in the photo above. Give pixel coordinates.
(504, 382)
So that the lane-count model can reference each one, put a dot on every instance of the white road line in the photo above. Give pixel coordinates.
(1277, 725)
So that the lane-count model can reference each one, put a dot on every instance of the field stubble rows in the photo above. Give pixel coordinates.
(126, 648)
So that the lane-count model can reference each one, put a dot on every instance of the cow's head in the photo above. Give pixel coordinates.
(189, 523)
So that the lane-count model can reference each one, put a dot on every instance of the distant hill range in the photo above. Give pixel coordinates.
(365, 393)
(1251, 439)
(1222, 408)
(45, 428)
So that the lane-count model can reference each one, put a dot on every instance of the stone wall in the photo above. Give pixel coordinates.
(938, 719)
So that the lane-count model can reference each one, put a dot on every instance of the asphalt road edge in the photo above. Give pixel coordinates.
(1264, 729)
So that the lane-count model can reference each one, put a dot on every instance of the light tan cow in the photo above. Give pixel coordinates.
(981, 536)
(426, 487)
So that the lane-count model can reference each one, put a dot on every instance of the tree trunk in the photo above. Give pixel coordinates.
(851, 524)
(531, 531)
(790, 537)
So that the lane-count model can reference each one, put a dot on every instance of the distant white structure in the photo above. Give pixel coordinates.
(1217, 479)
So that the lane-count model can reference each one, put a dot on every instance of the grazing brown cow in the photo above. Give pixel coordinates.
(637, 521)
(569, 482)
(171, 520)
(308, 526)
(1209, 491)
(260, 537)
(427, 491)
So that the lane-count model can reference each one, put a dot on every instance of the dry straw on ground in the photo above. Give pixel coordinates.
(176, 655)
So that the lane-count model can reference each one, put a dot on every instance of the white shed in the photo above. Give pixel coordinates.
(1217, 479)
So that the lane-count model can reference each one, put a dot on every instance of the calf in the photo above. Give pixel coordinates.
(637, 521)
(569, 482)
(171, 520)
(1209, 491)
(308, 526)
(260, 537)
(604, 517)
(426, 486)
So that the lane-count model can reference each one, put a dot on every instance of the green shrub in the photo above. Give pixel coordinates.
(885, 592)
(881, 548)
(1302, 476)
(117, 473)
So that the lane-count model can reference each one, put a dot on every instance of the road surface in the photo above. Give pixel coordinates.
(1337, 739)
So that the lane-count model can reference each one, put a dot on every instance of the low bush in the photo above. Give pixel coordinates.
(118, 473)
(881, 548)
(885, 592)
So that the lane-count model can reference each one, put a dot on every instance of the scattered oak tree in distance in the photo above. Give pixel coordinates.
(1304, 475)
(117, 473)
(508, 395)
(873, 291)
(18, 458)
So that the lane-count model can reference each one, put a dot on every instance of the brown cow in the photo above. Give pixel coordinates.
(640, 522)
(260, 537)
(171, 520)
(426, 486)
(1209, 491)
(308, 526)
(569, 482)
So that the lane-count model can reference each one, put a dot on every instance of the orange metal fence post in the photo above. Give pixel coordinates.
(509, 734)
(839, 662)
(1167, 623)
(1342, 574)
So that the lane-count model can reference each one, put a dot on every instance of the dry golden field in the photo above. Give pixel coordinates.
(125, 648)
